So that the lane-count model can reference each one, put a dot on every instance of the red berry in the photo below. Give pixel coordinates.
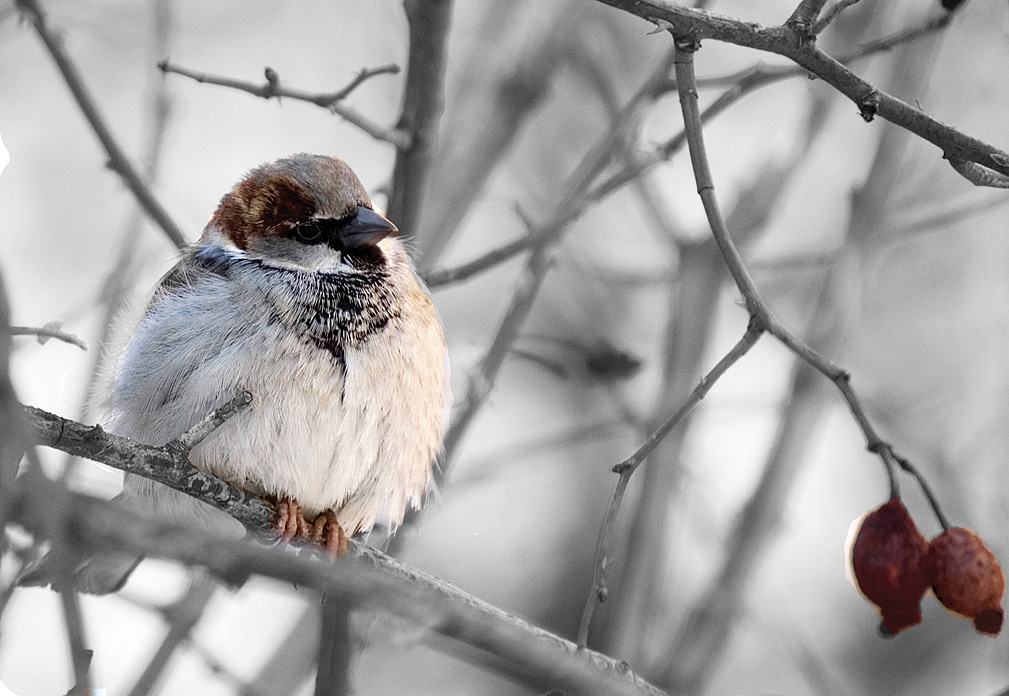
(889, 558)
(967, 578)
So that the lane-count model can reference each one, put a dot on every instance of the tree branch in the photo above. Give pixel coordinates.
(831, 14)
(697, 25)
(571, 204)
(423, 103)
(740, 84)
(50, 330)
(526, 653)
(802, 19)
(328, 100)
(758, 309)
(626, 469)
(118, 160)
(168, 465)
(182, 618)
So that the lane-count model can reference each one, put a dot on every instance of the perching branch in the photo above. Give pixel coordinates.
(50, 330)
(697, 25)
(524, 652)
(272, 87)
(118, 160)
(528, 653)
(168, 465)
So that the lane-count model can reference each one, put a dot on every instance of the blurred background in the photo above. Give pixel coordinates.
(728, 574)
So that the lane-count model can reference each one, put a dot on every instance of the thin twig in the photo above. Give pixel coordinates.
(182, 617)
(933, 501)
(362, 76)
(119, 277)
(571, 204)
(79, 653)
(979, 175)
(118, 160)
(626, 469)
(328, 100)
(755, 304)
(741, 84)
(944, 219)
(783, 41)
(220, 670)
(486, 121)
(831, 14)
(423, 103)
(46, 332)
(484, 375)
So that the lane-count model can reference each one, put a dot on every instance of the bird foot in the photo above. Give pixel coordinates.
(328, 533)
(289, 521)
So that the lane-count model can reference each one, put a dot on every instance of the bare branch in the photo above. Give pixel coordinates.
(838, 7)
(79, 653)
(626, 469)
(571, 204)
(489, 260)
(740, 84)
(484, 123)
(423, 103)
(481, 380)
(118, 160)
(50, 330)
(754, 303)
(803, 17)
(979, 175)
(698, 25)
(328, 100)
(526, 653)
(363, 75)
(182, 617)
(168, 465)
(336, 647)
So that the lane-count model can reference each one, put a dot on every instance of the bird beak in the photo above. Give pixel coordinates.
(367, 228)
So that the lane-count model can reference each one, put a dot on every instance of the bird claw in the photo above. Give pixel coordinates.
(328, 533)
(289, 522)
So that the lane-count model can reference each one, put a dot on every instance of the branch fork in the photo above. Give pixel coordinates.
(168, 464)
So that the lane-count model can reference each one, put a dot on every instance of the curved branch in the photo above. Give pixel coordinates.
(368, 578)
(328, 100)
(168, 465)
(118, 161)
(785, 41)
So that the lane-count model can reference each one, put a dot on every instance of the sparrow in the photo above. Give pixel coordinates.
(301, 293)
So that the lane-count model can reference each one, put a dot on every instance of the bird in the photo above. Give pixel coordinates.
(300, 292)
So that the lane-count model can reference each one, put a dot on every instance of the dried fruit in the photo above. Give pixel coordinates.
(967, 578)
(889, 558)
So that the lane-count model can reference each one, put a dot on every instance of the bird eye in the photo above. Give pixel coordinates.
(308, 232)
